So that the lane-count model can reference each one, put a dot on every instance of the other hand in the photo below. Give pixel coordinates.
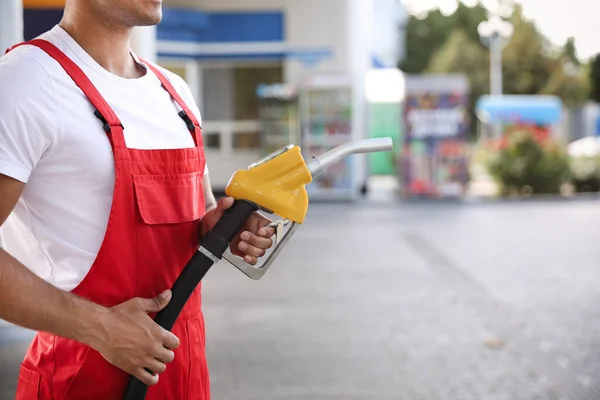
(132, 341)
(254, 238)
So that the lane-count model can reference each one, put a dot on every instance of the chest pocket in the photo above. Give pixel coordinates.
(169, 199)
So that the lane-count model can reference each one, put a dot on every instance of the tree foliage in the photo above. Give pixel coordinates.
(594, 74)
(451, 44)
(425, 36)
(525, 67)
(460, 54)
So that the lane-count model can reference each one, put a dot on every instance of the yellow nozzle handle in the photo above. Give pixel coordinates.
(278, 182)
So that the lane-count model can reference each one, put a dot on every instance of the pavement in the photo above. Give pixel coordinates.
(381, 300)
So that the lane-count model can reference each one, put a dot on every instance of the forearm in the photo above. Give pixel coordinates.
(209, 197)
(28, 301)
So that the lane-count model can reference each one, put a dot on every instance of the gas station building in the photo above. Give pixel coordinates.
(225, 49)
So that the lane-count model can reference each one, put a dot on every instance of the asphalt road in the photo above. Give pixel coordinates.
(406, 301)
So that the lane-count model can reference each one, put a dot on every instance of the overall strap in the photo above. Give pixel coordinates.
(186, 114)
(110, 122)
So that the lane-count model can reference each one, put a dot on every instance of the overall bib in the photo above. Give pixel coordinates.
(152, 232)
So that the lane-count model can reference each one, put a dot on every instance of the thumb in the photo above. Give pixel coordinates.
(223, 205)
(157, 303)
(211, 218)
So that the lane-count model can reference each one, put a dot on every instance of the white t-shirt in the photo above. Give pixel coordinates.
(50, 139)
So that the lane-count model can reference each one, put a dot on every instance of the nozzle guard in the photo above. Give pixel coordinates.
(256, 272)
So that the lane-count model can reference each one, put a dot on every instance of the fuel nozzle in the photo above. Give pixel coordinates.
(277, 183)
(319, 164)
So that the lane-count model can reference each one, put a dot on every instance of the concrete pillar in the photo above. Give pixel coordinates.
(11, 23)
(360, 30)
(193, 74)
(143, 42)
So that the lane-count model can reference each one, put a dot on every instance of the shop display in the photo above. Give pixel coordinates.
(327, 123)
(280, 124)
(318, 116)
(434, 154)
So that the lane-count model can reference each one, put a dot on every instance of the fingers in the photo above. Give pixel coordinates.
(156, 304)
(146, 377)
(254, 245)
(170, 341)
(266, 231)
(156, 366)
(165, 356)
(252, 240)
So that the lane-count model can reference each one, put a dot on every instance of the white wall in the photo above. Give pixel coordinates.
(328, 24)
(388, 35)
(309, 24)
(318, 24)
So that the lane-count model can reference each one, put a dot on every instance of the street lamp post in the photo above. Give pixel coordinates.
(495, 33)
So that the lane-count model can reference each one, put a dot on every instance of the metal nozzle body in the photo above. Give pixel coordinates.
(319, 164)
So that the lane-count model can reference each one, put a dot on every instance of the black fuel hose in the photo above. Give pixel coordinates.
(216, 242)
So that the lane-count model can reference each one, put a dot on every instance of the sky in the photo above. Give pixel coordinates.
(556, 19)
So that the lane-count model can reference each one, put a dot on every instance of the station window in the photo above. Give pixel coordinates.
(229, 93)
(212, 140)
(246, 140)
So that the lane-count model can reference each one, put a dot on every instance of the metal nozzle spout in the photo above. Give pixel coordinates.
(319, 164)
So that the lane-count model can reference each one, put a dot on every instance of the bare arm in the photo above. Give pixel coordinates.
(28, 301)
(209, 196)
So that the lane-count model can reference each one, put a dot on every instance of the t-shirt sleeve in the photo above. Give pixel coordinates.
(29, 115)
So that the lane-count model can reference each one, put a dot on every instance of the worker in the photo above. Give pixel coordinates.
(104, 196)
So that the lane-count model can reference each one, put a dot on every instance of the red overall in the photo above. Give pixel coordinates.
(152, 232)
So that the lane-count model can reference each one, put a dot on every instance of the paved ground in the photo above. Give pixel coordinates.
(411, 302)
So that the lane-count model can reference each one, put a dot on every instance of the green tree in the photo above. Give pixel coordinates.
(568, 79)
(461, 54)
(525, 66)
(468, 19)
(425, 36)
(594, 71)
(569, 52)
(530, 66)
(439, 44)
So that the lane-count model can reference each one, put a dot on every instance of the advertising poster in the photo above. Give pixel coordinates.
(434, 153)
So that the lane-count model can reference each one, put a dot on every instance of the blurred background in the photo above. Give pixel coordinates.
(462, 265)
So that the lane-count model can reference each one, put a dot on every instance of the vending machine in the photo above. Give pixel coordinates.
(327, 108)
(279, 116)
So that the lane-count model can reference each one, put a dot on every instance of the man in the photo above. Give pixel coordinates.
(104, 195)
